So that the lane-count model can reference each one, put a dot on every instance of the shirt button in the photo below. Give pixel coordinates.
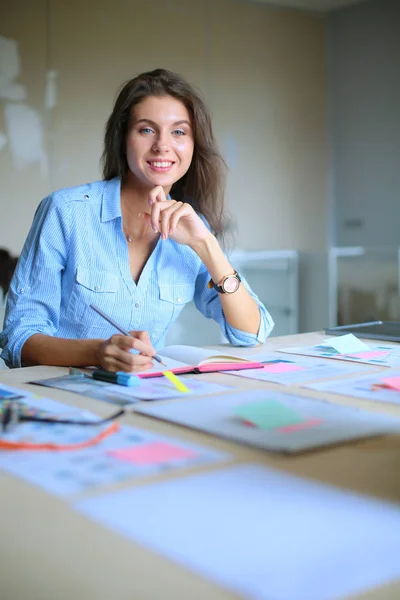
(97, 288)
(137, 304)
(179, 299)
(21, 290)
(86, 196)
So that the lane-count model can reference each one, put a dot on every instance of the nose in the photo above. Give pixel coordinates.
(161, 143)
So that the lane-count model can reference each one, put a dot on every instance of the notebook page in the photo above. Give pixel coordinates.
(189, 355)
(170, 364)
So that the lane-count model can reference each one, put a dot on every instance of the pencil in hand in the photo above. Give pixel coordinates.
(121, 329)
(159, 359)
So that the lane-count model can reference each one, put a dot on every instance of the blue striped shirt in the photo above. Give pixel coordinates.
(76, 254)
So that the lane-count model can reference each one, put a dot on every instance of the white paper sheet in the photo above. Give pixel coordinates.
(379, 355)
(263, 534)
(346, 344)
(361, 387)
(298, 369)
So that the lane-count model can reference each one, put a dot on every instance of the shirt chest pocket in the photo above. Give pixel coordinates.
(92, 287)
(177, 294)
(173, 297)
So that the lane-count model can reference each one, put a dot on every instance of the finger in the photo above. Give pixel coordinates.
(157, 194)
(165, 219)
(127, 343)
(141, 335)
(182, 210)
(120, 359)
(118, 364)
(133, 362)
(156, 211)
(138, 367)
(155, 216)
(147, 218)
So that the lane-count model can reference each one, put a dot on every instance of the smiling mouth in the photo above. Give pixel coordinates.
(160, 164)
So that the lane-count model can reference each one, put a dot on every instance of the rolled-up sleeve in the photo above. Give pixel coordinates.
(208, 303)
(33, 303)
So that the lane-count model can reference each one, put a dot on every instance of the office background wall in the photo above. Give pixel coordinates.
(364, 96)
(364, 81)
(262, 71)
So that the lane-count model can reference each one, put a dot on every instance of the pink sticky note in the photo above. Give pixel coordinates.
(368, 354)
(152, 453)
(392, 382)
(281, 367)
(300, 426)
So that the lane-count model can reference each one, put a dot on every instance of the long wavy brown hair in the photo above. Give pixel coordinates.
(203, 186)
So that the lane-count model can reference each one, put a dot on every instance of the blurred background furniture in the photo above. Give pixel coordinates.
(272, 275)
(7, 266)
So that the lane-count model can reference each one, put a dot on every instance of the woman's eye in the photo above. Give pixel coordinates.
(179, 132)
(146, 130)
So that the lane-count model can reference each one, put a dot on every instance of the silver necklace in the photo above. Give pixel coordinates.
(132, 240)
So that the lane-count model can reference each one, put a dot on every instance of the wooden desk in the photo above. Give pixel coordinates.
(49, 552)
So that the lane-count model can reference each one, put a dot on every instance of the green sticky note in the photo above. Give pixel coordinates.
(268, 415)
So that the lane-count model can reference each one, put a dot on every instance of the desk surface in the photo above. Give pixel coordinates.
(49, 552)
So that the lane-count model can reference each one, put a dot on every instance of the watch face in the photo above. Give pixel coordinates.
(230, 284)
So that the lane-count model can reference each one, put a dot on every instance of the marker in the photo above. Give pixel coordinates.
(177, 382)
(121, 329)
(120, 377)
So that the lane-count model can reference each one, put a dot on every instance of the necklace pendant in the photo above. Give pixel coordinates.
(129, 239)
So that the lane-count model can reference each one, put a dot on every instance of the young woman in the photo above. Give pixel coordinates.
(139, 244)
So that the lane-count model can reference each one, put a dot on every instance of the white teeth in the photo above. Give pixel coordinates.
(161, 164)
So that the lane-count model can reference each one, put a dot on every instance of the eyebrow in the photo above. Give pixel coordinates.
(181, 122)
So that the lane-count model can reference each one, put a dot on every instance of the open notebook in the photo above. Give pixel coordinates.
(189, 359)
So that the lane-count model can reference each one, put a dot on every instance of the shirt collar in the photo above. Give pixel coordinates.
(111, 200)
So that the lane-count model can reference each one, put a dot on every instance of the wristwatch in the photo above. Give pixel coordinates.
(228, 284)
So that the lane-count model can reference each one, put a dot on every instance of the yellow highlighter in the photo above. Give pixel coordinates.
(177, 382)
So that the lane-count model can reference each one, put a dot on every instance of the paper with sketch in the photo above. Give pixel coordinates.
(371, 387)
(43, 405)
(159, 388)
(259, 526)
(319, 423)
(78, 383)
(382, 355)
(130, 453)
(279, 369)
(11, 393)
(149, 389)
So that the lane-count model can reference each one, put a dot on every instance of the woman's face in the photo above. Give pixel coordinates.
(159, 144)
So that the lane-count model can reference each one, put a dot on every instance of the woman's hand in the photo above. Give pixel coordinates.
(115, 353)
(174, 219)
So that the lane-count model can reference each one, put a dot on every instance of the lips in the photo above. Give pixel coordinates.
(160, 166)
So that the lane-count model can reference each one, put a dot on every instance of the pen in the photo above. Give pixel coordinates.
(120, 377)
(121, 329)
